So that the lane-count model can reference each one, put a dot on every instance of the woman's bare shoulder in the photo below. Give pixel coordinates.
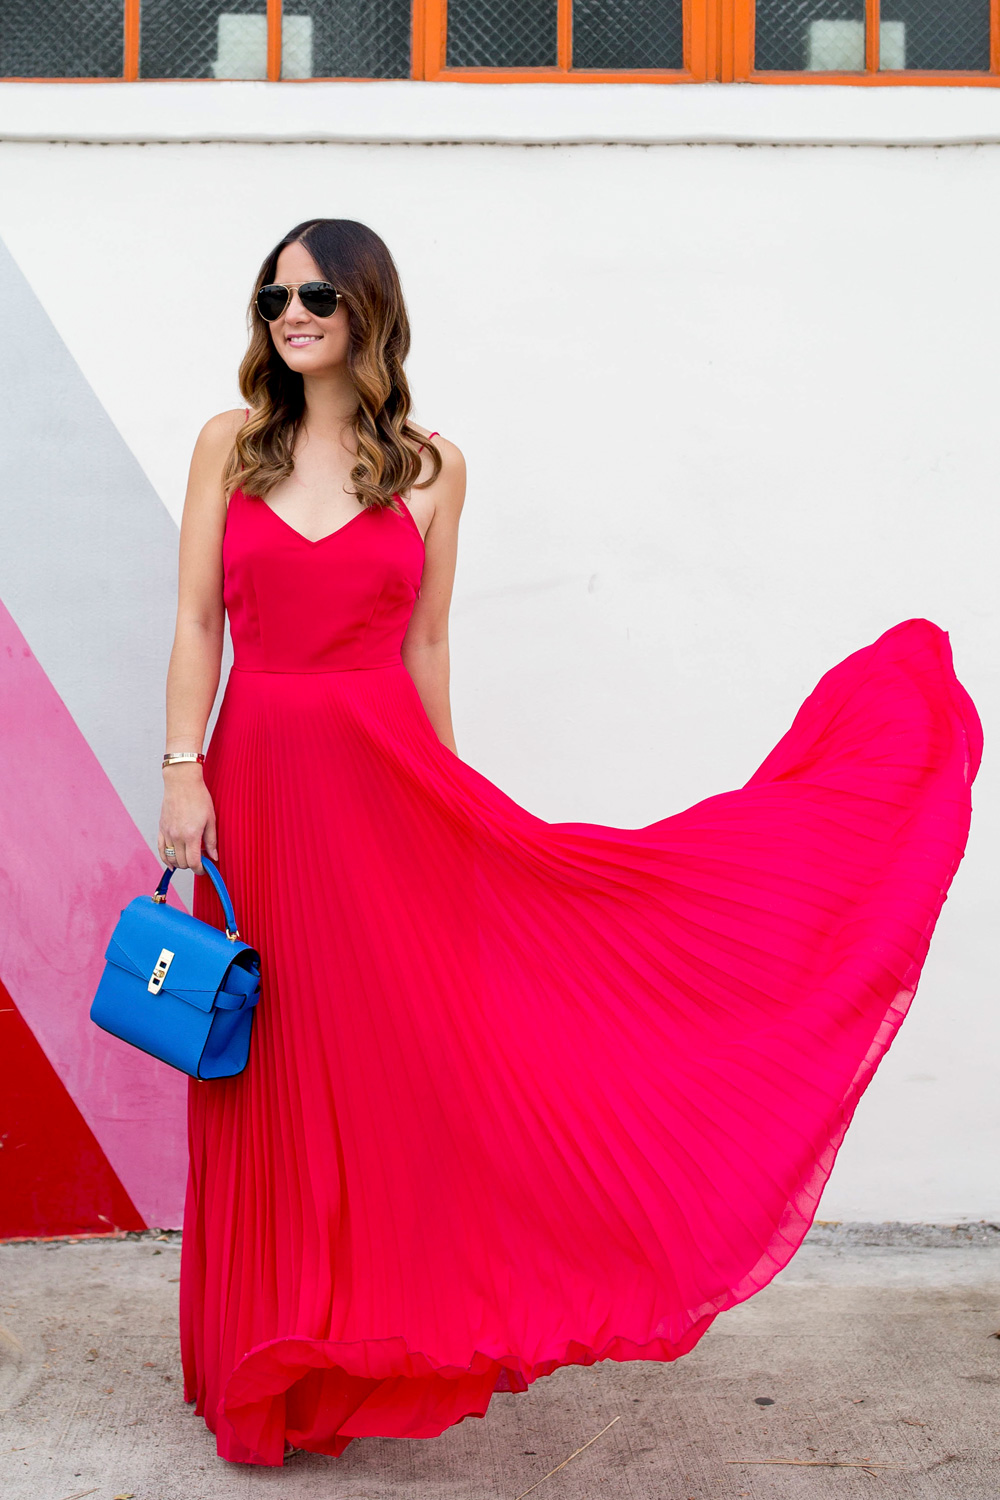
(446, 491)
(451, 480)
(211, 456)
(220, 430)
(452, 458)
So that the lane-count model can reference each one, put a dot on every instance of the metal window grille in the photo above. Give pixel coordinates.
(502, 33)
(931, 35)
(347, 39)
(61, 39)
(817, 35)
(610, 34)
(203, 39)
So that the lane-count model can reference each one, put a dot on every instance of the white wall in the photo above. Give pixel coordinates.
(729, 412)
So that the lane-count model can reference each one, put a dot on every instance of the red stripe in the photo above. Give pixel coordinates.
(56, 1178)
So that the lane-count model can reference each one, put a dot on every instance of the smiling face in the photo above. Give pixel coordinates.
(308, 344)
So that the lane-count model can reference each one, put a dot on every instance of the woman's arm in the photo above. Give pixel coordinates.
(425, 646)
(187, 817)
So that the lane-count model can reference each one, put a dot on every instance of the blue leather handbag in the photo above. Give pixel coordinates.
(177, 987)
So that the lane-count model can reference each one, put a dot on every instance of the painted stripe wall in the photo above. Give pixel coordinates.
(93, 1131)
(728, 414)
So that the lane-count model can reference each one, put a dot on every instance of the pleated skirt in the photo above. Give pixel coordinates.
(525, 1094)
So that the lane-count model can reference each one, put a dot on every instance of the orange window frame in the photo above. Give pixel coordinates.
(736, 63)
(430, 31)
(718, 47)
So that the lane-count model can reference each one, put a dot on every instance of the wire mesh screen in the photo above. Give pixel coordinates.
(502, 34)
(612, 34)
(61, 38)
(810, 35)
(929, 34)
(203, 39)
(346, 39)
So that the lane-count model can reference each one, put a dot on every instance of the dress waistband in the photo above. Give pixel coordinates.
(384, 666)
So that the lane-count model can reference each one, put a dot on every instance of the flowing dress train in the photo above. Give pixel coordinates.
(523, 1094)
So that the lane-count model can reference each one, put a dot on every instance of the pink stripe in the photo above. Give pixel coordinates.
(70, 858)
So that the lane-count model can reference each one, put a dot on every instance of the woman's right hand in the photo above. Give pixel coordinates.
(187, 818)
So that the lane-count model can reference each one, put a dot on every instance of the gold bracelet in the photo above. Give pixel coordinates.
(175, 755)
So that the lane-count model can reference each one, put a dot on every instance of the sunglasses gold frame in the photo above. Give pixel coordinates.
(290, 288)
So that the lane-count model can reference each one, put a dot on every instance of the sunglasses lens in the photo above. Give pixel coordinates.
(319, 298)
(271, 302)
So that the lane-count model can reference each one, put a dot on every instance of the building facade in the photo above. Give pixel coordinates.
(707, 297)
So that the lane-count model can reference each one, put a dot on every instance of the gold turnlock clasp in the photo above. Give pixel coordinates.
(159, 973)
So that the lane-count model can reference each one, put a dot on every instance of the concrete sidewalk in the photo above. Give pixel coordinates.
(875, 1344)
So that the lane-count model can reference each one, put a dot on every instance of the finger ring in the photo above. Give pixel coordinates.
(170, 850)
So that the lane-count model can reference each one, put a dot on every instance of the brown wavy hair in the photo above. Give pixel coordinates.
(359, 265)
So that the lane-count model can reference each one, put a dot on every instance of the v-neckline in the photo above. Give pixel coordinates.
(317, 541)
(309, 540)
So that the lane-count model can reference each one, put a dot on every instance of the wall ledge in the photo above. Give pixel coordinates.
(516, 114)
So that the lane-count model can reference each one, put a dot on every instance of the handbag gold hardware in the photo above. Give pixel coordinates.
(159, 973)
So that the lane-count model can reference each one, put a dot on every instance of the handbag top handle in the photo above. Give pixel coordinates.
(211, 869)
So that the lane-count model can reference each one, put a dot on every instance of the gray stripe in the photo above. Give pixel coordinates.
(88, 552)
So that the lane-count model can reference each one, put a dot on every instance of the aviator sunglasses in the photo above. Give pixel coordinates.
(317, 297)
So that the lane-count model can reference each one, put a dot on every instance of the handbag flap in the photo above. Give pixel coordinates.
(202, 955)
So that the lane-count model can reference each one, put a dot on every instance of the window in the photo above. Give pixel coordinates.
(69, 40)
(668, 41)
(564, 38)
(311, 39)
(872, 41)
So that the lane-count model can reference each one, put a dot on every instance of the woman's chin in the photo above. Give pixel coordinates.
(308, 361)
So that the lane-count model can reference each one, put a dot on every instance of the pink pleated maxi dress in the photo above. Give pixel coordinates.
(523, 1094)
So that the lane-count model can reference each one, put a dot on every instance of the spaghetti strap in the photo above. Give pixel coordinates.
(427, 440)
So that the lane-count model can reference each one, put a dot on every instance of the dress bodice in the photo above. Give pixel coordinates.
(333, 605)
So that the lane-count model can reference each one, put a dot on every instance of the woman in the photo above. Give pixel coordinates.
(519, 1094)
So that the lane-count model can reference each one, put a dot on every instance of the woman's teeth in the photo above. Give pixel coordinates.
(299, 340)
